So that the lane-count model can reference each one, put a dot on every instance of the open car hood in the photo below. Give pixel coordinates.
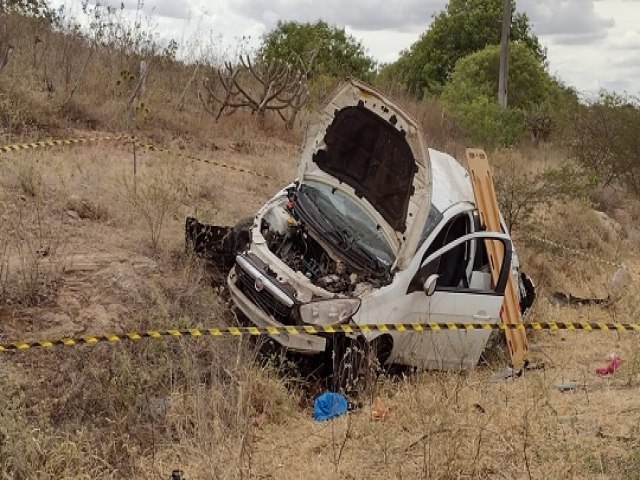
(365, 145)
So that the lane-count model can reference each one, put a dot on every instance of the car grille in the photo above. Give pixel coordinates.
(263, 299)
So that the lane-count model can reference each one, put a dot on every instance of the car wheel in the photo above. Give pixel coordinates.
(357, 363)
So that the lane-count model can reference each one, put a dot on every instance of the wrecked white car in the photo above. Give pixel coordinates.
(377, 229)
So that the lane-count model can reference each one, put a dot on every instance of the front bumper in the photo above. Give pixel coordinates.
(301, 342)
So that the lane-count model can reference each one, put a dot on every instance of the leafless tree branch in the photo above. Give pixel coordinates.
(78, 78)
(273, 86)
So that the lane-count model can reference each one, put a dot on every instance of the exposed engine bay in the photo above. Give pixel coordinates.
(302, 253)
(292, 241)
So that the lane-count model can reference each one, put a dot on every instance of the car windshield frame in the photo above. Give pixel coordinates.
(342, 214)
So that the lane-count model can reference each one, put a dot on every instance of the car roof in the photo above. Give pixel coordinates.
(451, 181)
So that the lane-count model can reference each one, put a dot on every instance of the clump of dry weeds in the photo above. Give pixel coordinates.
(32, 254)
(152, 198)
(85, 208)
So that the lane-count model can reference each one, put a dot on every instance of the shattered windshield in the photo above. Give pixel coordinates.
(350, 224)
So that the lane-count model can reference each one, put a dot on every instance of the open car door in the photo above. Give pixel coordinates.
(455, 285)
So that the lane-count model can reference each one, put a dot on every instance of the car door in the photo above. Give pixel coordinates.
(454, 285)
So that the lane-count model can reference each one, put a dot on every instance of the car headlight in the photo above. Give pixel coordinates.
(329, 312)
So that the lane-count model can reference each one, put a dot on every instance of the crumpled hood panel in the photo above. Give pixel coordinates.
(363, 144)
(370, 155)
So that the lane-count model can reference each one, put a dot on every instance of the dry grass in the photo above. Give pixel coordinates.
(452, 426)
(38, 99)
(32, 243)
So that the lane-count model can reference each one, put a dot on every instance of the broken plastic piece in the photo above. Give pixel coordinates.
(566, 386)
(614, 363)
(505, 374)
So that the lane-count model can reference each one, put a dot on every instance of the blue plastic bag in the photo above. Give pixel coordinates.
(329, 405)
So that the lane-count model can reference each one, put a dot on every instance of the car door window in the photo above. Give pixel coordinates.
(433, 220)
(464, 265)
(455, 228)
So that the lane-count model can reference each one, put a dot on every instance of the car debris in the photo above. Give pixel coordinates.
(614, 363)
(376, 228)
(513, 373)
(379, 411)
(566, 386)
(562, 298)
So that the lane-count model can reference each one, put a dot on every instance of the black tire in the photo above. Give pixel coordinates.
(357, 363)
(527, 292)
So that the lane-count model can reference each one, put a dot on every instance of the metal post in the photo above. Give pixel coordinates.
(135, 166)
(504, 54)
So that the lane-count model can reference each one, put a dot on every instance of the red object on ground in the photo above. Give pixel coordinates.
(379, 410)
(612, 366)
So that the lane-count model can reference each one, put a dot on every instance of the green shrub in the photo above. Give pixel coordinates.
(604, 139)
(485, 123)
(534, 97)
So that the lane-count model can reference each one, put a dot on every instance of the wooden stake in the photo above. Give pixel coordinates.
(487, 205)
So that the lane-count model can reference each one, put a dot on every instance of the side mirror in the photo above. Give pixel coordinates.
(430, 284)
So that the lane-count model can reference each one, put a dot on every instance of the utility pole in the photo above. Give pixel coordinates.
(504, 54)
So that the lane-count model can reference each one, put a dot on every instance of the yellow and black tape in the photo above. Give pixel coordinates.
(215, 163)
(17, 147)
(314, 330)
(580, 253)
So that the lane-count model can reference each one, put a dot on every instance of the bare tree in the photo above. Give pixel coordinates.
(78, 78)
(539, 123)
(275, 86)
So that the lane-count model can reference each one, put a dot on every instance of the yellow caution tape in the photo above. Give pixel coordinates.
(580, 253)
(315, 330)
(17, 147)
(56, 143)
(150, 146)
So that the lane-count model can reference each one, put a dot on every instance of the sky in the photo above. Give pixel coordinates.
(591, 44)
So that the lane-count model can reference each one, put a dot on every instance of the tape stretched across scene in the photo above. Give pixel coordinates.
(18, 147)
(215, 163)
(218, 332)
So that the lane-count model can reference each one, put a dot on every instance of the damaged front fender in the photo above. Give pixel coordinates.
(218, 244)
